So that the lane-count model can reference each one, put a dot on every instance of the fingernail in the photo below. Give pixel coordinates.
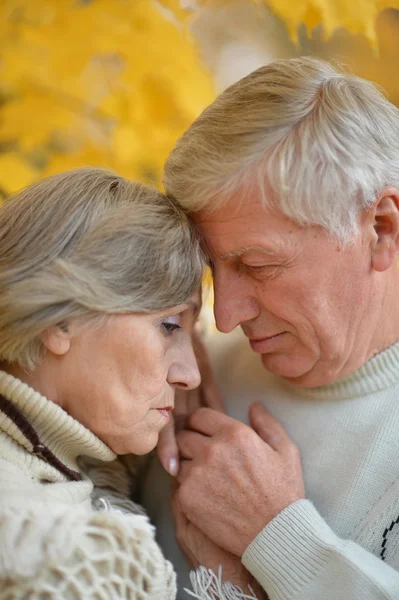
(257, 409)
(173, 467)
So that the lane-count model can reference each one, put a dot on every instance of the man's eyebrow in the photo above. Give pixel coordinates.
(241, 251)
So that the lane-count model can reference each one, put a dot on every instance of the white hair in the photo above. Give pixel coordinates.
(84, 244)
(317, 142)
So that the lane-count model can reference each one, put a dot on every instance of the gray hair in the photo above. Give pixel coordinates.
(86, 243)
(319, 142)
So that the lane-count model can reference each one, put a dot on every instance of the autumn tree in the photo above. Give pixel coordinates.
(104, 82)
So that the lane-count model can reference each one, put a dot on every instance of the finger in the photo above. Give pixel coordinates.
(210, 393)
(184, 471)
(168, 450)
(174, 485)
(193, 401)
(181, 412)
(179, 517)
(208, 421)
(191, 444)
(268, 428)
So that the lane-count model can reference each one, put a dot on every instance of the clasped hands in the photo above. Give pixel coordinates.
(232, 479)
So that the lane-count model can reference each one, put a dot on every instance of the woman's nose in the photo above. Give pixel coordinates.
(184, 372)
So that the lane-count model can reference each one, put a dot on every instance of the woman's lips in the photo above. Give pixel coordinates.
(165, 412)
(267, 344)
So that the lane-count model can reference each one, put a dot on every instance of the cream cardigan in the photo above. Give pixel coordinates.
(68, 528)
(53, 544)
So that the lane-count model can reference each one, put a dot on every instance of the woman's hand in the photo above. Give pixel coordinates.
(186, 403)
(200, 551)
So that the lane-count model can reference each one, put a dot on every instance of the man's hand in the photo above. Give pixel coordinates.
(200, 551)
(236, 479)
(186, 403)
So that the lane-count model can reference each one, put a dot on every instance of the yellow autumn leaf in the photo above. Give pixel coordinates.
(15, 173)
(357, 16)
(108, 82)
(47, 116)
(88, 154)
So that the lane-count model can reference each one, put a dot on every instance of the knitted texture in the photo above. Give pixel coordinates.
(209, 586)
(342, 543)
(83, 538)
(53, 545)
(77, 554)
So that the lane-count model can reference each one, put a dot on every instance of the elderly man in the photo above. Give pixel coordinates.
(292, 176)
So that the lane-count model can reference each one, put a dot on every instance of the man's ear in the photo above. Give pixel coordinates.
(385, 245)
(57, 339)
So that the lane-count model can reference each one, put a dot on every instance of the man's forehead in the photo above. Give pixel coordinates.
(232, 244)
(233, 208)
(230, 230)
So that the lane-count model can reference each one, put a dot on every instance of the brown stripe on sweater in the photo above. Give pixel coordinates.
(38, 449)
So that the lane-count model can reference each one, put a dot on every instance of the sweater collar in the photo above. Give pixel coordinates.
(62, 435)
(377, 374)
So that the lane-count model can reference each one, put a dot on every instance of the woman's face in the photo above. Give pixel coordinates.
(119, 380)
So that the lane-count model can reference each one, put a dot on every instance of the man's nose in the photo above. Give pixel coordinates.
(184, 372)
(233, 303)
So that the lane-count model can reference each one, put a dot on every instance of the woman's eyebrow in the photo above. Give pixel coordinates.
(195, 307)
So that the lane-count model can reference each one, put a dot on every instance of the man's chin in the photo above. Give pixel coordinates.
(297, 372)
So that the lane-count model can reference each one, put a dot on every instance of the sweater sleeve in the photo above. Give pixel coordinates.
(73, 554)
(298, 557)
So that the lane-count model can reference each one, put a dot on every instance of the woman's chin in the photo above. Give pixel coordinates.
(145, 448)
(139, 447)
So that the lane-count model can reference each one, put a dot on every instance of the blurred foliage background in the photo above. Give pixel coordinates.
(115, 82)
(100, 82)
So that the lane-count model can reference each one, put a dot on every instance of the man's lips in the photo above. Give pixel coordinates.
(266, 344)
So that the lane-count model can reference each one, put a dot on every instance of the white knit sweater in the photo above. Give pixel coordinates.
(343, 542)
(53, 544)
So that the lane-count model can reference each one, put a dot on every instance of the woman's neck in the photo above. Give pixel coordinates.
(43, 378)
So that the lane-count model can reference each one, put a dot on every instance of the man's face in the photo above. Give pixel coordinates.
(301, 300)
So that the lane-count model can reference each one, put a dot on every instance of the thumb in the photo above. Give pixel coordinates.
(268, 428)
(209, 390)
(167, 449)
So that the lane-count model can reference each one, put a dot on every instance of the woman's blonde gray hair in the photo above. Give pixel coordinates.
(86, 243)
(319, 143)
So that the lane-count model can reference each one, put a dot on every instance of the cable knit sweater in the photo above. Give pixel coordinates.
(53, 544)
(342, 543)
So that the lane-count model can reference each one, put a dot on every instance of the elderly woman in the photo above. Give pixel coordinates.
(99, 293)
